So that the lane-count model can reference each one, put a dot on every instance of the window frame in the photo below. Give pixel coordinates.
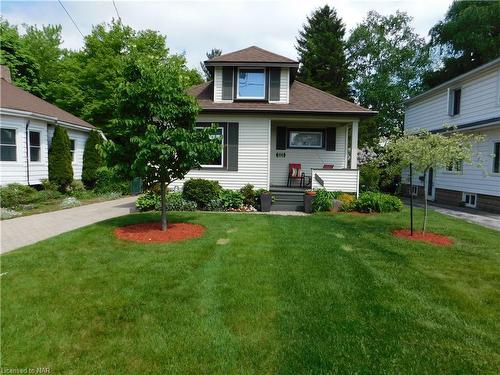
(452, 103)
(469, 204)
(454, 169)
(222, 154)
(494, 143)
(72, 150)
(39, 146)
(10, 145)
(238, 97)
(312, 130)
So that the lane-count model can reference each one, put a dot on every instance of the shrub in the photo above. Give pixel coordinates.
(48, 185)
(347, 200)
(201, 191)
(147, 202)
(231, 199)
(107, 181)
(248, 195)
(323, 200)
(175, 202)
(91, 159)
(60, 169)
(14, 195)
(215, 205)
(369, 177)
(377, 202)
(46, 195)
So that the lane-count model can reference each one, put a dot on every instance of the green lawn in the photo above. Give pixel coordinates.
(287, 295)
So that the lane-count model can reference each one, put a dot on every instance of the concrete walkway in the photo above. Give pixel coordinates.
(27, 230)
(486, 219)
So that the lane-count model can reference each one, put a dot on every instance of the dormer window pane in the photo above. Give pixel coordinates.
(251, 83)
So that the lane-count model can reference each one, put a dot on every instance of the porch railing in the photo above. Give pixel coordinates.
(345, 180)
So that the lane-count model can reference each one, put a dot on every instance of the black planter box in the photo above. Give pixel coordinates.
(265, 202)
(308, 203)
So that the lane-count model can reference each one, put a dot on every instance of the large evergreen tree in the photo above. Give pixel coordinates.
(91, 159)
(388, 58)
(468, 36)
(214, 52)
(60, 168)
(321, 49)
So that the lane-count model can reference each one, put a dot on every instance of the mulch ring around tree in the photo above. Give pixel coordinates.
(152, 233)
(432, 238)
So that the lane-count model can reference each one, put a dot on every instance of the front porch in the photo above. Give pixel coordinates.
(312, 154)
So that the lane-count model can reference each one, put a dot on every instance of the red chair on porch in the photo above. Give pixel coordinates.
(295, 173)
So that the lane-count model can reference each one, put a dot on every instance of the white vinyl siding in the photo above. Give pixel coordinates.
(479, 101)
(473, 178)
(308, 158)
(253, 152)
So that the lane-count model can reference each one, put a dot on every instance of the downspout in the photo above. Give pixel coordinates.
(27, 153)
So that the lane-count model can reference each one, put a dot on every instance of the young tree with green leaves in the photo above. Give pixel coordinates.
(214, 52)
(155, 119)
(425, 150)
(92, 160)
(388, 59)
(468, 37)
(321, 49)
(60, 168)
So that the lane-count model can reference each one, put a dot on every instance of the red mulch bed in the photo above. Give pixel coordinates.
(432, 238)
(152, 233)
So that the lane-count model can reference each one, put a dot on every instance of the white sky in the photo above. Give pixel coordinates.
(194, 27)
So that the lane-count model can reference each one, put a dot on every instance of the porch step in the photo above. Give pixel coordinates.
(287, 207)
(287, 199)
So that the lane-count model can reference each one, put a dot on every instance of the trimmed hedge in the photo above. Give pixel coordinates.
(201, 191)
(174, 202)
(377, 202)
(91, 160)
(13, 195)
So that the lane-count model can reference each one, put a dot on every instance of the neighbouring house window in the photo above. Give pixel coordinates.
(305, 139)
(72, 149)
(34, 146)
(455, 99)
(251, 83)
(8, 149)
(496, 157)
(218, 162)
(414, 190)
(456, 166)
(469, 199)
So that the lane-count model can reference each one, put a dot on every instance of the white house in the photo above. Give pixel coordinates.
(471, 102)
(274, 127)
(27, 125)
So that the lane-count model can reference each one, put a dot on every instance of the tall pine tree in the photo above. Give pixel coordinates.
(321, 49)
(214, 52)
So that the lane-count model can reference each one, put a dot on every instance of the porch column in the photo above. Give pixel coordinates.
(354, 145)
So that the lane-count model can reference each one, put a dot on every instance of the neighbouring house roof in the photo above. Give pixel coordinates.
(470, 125)
(12, 97)
(304, 99)
(455, 81)
(253, 54)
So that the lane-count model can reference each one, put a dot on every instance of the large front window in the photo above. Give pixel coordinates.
(305, 139)
(218, 162)
(251, 83)
(34, 146)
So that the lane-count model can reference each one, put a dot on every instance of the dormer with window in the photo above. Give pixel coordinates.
(252, 74)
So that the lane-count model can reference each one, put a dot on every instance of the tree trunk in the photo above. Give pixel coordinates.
(163, 206)
(426, 187)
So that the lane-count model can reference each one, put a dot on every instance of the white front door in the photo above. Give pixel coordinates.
(431, 189)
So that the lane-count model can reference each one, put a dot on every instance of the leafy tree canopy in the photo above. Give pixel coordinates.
(468, 36)
(321, 50)
(388, 58)
(155, 122)
(214, 52)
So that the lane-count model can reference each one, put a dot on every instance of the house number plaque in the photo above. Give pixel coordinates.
(280, 154)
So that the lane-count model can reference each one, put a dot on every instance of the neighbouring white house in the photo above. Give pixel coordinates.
(471, 103)
(276, 132)
(27, 125)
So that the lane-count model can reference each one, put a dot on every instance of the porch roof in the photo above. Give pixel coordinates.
(304, 99)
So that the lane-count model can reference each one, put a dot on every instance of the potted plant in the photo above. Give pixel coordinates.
(308, 201)
(266, 199)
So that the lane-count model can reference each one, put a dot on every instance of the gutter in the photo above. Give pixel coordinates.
(27, 152)
(37, 116)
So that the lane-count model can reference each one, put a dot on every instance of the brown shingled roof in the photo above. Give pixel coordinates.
(304, 99)
(251, 54)
(12, 97)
